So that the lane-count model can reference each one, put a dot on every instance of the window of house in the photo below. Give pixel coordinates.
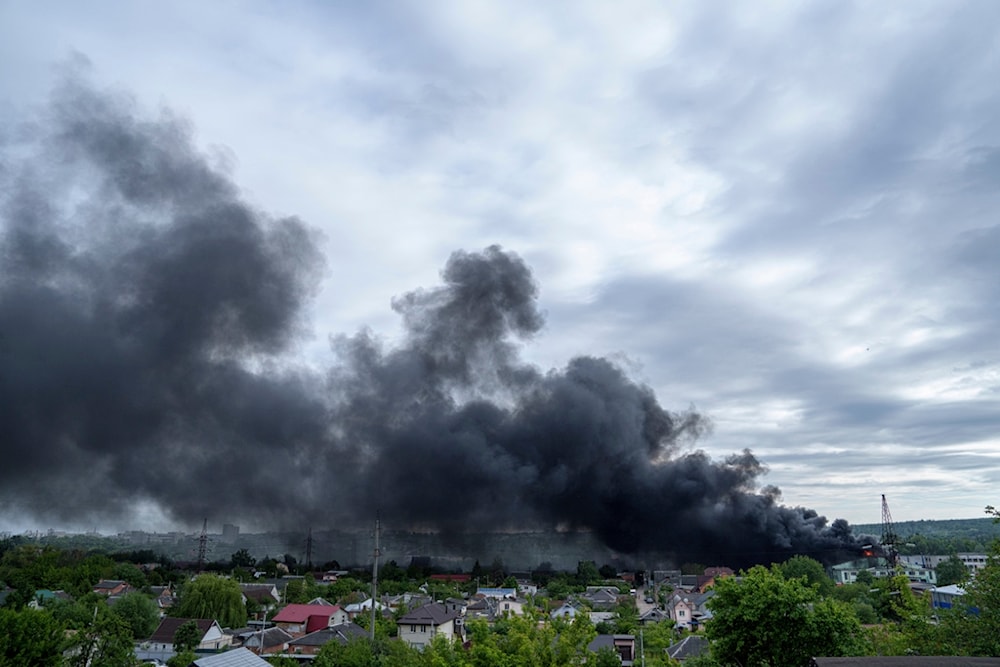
(681, 613)
(413, 628)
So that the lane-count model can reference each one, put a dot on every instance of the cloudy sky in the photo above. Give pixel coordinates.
(782, 214)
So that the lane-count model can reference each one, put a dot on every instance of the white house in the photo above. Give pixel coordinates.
(419, 627)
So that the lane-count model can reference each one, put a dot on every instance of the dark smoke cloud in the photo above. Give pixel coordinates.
(147, 315)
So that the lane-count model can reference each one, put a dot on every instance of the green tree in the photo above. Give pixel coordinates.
(128, 572)
(30, 637)
(975, 625)
(187, 637)
(139, 612)
(212, 597)
(360, 652)
(587, 573)
(107, 641)
(951, 571)
(295, 592)
(764, 619)
(606, 657)
(242, 559)
(803, 567)
(557, 589)
(626, 617)
(182, 659)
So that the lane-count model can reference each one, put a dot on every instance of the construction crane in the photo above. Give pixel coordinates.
(889, 537)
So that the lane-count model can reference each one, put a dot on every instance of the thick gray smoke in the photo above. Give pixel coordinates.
(147, 314)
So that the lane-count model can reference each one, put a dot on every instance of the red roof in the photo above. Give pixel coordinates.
(314, 615)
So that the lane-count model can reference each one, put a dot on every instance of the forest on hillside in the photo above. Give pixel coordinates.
(944, 537)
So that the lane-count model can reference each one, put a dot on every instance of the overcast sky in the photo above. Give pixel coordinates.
(783, 214)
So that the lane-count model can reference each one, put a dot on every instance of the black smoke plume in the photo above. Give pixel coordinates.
(148, 316)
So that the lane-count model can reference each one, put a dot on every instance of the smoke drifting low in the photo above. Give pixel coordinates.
(147, 319)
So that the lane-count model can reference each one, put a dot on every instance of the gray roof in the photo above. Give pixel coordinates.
(342, 633)
(655, 614)
(164, 633)
(240, 657)
(430, 614)
(689, 647)
(600, 641)
(272, 637)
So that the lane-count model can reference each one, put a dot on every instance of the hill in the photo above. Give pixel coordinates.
(939, 536)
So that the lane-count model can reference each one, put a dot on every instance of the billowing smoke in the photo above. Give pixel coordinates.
(147, 318)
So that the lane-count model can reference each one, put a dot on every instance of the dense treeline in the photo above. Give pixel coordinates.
(939, 537)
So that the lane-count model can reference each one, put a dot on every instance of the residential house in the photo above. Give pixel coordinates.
(160, 644)
(265, 596)
(601, 617)
(164, 598)
(300, 619)
(456, 605)
(419, 627)
(668, 577)
(691, 646)
(689, 610)
(311, 644)
(704, 582)
(364, 608)
(497, 593)
(601, 598)
(43, 596)
(565, 610)
(510, 607)
(654, 615)
(110, 587)
(481, 609)
(526, 587)
(407, 601)
(272, 640)
(240, 657)
(322, 601)
(623, 645)
(688, 582)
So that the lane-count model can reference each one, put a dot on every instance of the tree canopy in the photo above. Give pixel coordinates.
(139, 612)
(762, 618)
(951, 571)
(210, 596)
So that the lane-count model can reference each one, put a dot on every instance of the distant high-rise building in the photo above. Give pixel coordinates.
(230, 532)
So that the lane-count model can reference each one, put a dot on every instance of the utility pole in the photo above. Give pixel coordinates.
(309, 549)
(375, 577)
